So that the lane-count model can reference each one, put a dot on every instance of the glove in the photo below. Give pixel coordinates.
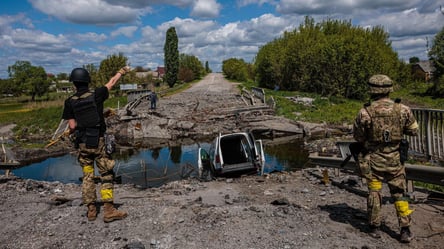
(124, 70)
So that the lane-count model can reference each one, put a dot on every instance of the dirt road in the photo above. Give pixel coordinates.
(280, 210)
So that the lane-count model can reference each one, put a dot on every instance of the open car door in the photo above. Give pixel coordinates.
(199, 160)
(260, 151)
(218, 160)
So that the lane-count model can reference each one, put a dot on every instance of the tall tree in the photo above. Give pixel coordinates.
(171, 57)
(110, 65)
(207, 67)
(29, 79)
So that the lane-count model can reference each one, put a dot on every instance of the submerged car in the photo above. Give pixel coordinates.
(230, 153)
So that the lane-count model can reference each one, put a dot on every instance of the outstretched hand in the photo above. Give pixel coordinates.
(124, 70)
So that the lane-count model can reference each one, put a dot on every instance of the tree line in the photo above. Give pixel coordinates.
(330, 58)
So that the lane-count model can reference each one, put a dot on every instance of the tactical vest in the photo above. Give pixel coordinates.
(85, 110)
(386, 124)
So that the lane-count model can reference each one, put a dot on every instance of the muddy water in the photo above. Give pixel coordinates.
(154, 167)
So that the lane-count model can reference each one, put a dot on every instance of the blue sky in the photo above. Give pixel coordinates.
(62, 34)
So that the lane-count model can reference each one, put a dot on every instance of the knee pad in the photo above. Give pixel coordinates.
(374, 185)
(107, 194)
(87, 169)
(402, 207)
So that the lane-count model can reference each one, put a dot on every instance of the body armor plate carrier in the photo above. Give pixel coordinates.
(85, 110)
(87, 118)
(386, 124)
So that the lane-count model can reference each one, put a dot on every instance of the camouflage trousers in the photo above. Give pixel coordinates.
(397, 185)
(88, 157)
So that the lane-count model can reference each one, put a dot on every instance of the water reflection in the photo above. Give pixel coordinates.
(154, 167)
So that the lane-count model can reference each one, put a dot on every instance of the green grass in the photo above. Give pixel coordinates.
(339, 111)
(413, 95)
(333, 110)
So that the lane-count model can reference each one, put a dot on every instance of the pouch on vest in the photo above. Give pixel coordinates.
(85, 110)
(92, 137)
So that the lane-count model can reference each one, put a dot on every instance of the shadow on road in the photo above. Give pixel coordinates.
(343, 213)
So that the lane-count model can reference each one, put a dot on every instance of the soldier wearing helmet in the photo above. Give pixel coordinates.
(380, 84)
(84, 112)
(380, 127)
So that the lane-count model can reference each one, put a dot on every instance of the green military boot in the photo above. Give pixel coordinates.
(110, 213)
(92, 212)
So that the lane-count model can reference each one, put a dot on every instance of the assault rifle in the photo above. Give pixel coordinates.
(356, 148)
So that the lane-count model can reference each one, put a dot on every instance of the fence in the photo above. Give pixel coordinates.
(430, 140)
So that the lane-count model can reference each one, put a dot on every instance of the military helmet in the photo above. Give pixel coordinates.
(380, 84)
(79, 75)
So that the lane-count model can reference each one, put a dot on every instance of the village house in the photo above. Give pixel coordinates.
(423, 71)
(158, 74)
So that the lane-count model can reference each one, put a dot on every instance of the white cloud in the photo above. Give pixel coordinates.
(90, 36)
(138, 4)
(127, 31)
(94, 12)
(188, 27)
(243, 3)
(409, 22)
(37, 41)
(206, 8)
(309, 7)
(6, 21)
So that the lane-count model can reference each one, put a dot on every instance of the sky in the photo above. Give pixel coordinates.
(60, 35)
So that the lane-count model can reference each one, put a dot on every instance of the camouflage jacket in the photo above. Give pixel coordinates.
(383, 156)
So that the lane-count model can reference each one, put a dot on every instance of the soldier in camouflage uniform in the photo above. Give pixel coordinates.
(379, 127)
(84, 112)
